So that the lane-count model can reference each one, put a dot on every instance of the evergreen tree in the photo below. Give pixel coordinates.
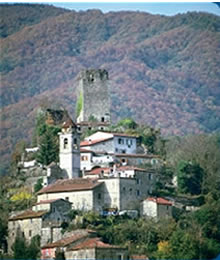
(189, 177)
(48, 147)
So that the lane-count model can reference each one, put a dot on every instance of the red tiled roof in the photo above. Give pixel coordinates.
(45, 202)
(128, 168)
(83, 150)
(92, 142)
(68, 123)
(70, 185)
(29, 214)
(50, 201)
(99, 170)
(139, 257)
(160, 201)
(137, 155)
(92, 243)
(65, 241)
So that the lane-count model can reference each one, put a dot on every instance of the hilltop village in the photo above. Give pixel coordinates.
(101, 173)
(109, 173)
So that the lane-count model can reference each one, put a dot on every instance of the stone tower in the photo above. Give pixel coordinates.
(93, 96)
(70, 149)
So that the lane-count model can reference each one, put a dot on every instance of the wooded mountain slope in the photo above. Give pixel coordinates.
(164, 71)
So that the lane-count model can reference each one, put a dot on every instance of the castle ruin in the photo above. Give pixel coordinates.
(93, 102)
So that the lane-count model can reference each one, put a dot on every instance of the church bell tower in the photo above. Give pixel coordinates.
(69, 153)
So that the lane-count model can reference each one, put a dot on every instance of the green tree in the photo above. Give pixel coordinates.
(23, 250)
(126, 124)
(59, 255)
(38, 186)
(79, 104)
(48, 146)
(189, 177)
(19, 248)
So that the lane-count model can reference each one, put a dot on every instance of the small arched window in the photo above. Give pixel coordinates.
(65, 143)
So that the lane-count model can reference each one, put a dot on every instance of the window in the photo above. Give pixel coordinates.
(138, 193)
(138, 181)
(84, 158)
(30, 233)
(120, 141)
(130, 190)
(75, 141)
(102, 119)
(65, 143)
(150, 176)
(99, 196)
(120, 257)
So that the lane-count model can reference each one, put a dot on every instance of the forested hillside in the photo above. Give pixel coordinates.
(164, 71)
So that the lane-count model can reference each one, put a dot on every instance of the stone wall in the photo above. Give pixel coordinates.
(82, 200)
(94, 86)
(25, 227)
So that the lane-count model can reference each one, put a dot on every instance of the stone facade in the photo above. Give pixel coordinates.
(125, 193)
(84, 194)
(156, 208)
(95, 249)
(94, 88)
(43, 219)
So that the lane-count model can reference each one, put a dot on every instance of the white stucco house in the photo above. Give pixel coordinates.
(111, 143)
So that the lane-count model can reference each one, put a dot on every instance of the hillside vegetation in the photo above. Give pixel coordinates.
(164, 71)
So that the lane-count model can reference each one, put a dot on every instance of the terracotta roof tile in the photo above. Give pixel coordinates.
(50, 201)
(139, 257)
(99, 170)
(70, 185)
(65, 241)
(29, 214)
(68, 123)
(92, 243)
(150, 156)
(92, 142)
(160, 201)
(129, 168)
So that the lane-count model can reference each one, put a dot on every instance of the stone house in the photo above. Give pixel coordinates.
(120, 188)
(125, 188)
(95, 249)
(48, 251)
(156, 208)
(44, 219)
(54, 173)
(111, 143)
(84, 194)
